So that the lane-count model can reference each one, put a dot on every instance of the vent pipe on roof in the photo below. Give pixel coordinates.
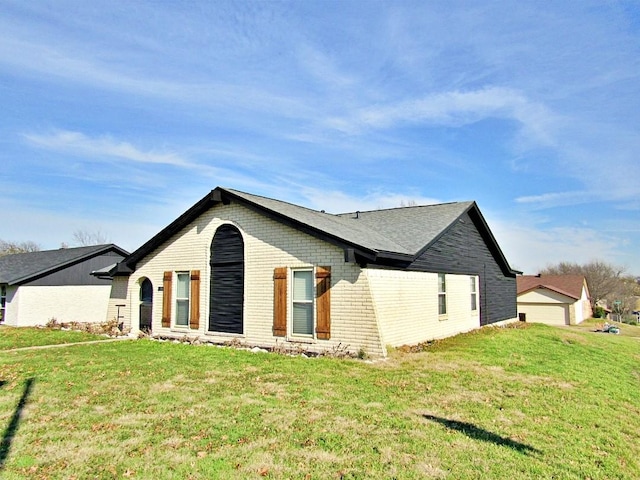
(357, 213)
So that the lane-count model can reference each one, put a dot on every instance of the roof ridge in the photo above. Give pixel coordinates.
(233, 190)
(406, 207)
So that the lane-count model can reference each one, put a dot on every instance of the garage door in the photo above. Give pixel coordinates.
(546, 313)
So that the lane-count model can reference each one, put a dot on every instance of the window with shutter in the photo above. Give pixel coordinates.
(302, 304)
(182, 299)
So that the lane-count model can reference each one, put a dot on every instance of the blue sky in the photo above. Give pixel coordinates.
(118, 116)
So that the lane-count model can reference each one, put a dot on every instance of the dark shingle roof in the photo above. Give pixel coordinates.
(397, 230)
(397, 234)
(19, 267)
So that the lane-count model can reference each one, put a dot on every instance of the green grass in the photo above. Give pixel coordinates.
(593, 324)
(12, 337)
(531, 402)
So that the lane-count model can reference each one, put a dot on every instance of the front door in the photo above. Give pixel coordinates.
(146, 305)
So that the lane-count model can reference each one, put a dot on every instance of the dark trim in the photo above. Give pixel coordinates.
(220, 195)
(484, 231)
(69, 263)
(354, 253)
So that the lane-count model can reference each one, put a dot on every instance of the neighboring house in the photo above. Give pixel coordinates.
(554, 299)
(237, 267)
(36, 287)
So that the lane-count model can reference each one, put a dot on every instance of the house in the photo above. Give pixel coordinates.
(554, 299)
(36, 287)
(237, 267)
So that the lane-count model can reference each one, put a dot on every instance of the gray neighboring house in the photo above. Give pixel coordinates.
(36, 287)
(238, 267)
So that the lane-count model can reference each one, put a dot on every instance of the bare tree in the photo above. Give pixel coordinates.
(7, 248)
(85, 238)
(624, 297)
(603, 279)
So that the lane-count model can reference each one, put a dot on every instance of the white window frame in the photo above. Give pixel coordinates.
(473, 286)
(182, 300)
(442, 295)
(293, 301)
(3, 302)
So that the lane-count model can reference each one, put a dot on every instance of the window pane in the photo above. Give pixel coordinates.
(183, 285)
(442, 286)
(182, 312)
(302, 285)
(303, 318)
(474, 304)
(442, 304)
(473, 284)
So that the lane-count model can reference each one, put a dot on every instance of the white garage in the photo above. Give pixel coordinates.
(553, 299)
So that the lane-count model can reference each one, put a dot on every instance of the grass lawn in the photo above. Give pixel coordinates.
(528, 402)
(594, 324)
(13, 337)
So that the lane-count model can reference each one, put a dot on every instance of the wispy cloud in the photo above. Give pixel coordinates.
(455, 108)
(531, 247)
(557, 198)
(104, 146)
(337, 201)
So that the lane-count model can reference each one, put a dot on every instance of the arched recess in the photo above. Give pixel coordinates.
(226, 295)
(146, 305)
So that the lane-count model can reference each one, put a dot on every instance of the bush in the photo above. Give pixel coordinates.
(599, 312)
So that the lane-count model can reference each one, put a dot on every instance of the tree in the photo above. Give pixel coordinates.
(603, 279)
(85, 238)
(7, 248)
(625, 295)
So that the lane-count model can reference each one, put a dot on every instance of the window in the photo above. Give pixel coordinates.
(474, 294)
(3, 301)
(302, 302)
(442, 294)
(302, 297)
(182, 299)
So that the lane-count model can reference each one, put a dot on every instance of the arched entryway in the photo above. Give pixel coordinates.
(146, 305)
(226, 297)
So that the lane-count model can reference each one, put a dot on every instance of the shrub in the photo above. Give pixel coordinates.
(599, 312)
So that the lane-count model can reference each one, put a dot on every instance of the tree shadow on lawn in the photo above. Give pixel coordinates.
(478, 433)
(12, 428)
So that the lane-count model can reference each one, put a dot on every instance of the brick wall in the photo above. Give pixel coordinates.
(406, 304)
(268, 244)
(36, 305)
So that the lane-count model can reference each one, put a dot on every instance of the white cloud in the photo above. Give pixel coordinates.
(104, 146)
(335, 201)
(546, 200)
(455, 108)
(530, 248)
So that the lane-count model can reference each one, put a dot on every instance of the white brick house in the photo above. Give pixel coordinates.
(240, 267)
(36, 287)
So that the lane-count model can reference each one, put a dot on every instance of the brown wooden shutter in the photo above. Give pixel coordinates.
(280, 302)
(323, 302)
(194, 315)
(166, 299)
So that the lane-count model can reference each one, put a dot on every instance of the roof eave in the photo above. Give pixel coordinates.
(473, 206)
(62, 265)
